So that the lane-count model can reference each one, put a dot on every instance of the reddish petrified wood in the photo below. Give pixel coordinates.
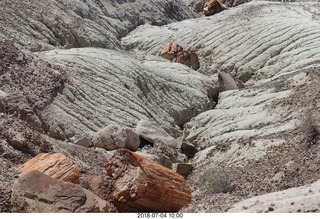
(56, 165)
(143, 185)
(212, 7)
(176, 53)
(170, 50)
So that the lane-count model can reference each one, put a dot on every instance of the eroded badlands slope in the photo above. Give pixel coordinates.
(105, 86)
(258, 39)
(45, 25)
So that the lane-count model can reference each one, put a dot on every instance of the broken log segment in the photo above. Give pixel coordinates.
(56, 165)
(144, 185)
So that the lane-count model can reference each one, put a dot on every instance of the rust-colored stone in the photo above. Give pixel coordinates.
(143, 185)
(170, 50)
(176, 53)
(212, 7)
(57, 165)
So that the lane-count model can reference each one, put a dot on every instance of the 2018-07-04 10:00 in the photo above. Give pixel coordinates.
(160, 215)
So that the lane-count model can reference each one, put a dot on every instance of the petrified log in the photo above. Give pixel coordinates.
(56, 165)
(143, 185)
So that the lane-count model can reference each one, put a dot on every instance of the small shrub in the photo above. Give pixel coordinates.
(215, 181)
(18, 202)
(309, 127)
(36, 207)
(21, 205)
(279, 86)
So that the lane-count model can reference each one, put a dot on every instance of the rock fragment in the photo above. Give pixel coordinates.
(186, 147)
(183, 169)
(226, 82)
(176, 53)
(170, 50)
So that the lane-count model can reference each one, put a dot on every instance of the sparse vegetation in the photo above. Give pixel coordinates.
(36, 207)
(216, 180)
(22, 206)
(279, 86)
(310, 127)
(19, 203)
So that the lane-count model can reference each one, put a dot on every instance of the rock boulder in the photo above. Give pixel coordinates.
(37, 192)
(114, 136)
(160, 143)
(226, 82)
(154, 134)
(186, 147)
(183, 169)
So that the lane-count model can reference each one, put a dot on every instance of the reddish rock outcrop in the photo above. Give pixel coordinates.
(212, 7)
(170, 50)
(57, 165)
(143, 185)
(38, 192)
(176, 53)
